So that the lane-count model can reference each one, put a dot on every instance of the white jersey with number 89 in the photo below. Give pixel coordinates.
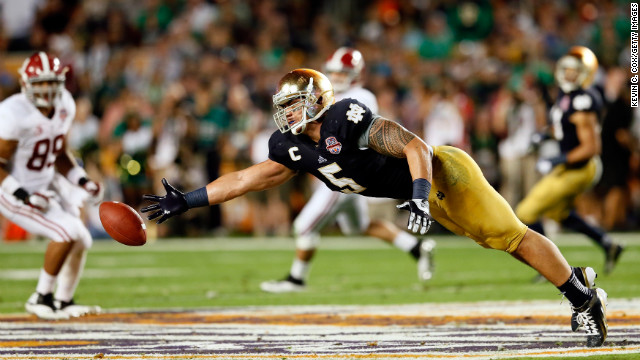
(40, 139)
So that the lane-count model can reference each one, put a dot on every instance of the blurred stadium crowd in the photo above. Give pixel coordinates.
(182, 88)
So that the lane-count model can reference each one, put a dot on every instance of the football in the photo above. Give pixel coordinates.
(123, 223)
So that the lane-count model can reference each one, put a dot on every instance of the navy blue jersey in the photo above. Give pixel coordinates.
(337, 159)
(567, 104)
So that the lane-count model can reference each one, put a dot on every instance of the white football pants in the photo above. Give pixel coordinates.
(325, 206)
(57, 224)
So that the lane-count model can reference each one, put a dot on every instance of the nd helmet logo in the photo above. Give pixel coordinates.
(333, 145)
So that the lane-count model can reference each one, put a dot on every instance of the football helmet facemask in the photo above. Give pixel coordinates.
(576, 69)
(314, 91)
(347, 61)
(42, 79)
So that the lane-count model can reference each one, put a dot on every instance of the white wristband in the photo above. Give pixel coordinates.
(10, 185)
(75, 174)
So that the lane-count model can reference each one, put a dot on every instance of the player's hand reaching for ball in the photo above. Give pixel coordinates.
(172, 204)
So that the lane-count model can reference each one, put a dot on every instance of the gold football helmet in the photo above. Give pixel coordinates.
(311, 87)
(576, 69)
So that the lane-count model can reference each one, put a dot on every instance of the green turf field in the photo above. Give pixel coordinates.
(214, 272)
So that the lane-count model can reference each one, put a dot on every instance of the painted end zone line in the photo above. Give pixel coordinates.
(421, 331)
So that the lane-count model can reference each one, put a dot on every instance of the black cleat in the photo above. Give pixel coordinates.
(42, 306)
(612, 256)
(74, 310)
(589, 280)
(592, 316)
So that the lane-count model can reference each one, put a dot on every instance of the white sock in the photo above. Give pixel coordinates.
(69, 275)
(300, 269)
(46, 283)
(404, 241)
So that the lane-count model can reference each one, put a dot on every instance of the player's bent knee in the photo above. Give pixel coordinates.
(364, 226)
(307, 242)
(86, 240)
(507, 241)
(353, 230)
(80, 234)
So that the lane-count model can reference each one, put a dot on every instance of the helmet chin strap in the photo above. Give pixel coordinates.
(302, 125)
(299, 128)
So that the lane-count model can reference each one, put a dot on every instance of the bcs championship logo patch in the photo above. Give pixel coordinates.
(333, 145)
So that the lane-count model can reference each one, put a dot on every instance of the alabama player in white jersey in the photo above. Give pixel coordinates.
(33, 159)
(344, 68)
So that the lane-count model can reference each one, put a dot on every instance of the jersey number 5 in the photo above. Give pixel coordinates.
(38, 158)
(329, 170)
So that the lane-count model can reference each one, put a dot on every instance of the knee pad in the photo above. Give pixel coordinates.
(81, 235)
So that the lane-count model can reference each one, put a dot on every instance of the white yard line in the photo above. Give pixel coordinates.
(617, 307)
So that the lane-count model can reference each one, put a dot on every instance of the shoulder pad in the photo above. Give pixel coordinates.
(13, 111)
(349, 111)
(587, 100)
(279, 145)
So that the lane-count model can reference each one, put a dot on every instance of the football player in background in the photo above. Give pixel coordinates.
(33, 130)
(344, 69)
(373, 156)
(575, 125)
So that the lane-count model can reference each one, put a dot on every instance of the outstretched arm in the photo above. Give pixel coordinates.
(389, 138)
(262, 176)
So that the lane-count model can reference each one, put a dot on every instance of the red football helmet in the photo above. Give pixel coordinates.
(42, 78)
(347, 61)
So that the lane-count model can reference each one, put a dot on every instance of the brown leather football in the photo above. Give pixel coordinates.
(123, 223)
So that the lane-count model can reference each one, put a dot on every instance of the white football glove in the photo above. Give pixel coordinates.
(38, 201)
(420, 217)
(95, 190)
(544, 166)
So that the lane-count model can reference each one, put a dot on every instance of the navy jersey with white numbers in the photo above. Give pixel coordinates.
(338, 161)
(567, 104)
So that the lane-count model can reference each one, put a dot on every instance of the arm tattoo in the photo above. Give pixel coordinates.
(389, 138)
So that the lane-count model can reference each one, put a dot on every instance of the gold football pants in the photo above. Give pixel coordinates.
(554, 195)
(462, 200)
